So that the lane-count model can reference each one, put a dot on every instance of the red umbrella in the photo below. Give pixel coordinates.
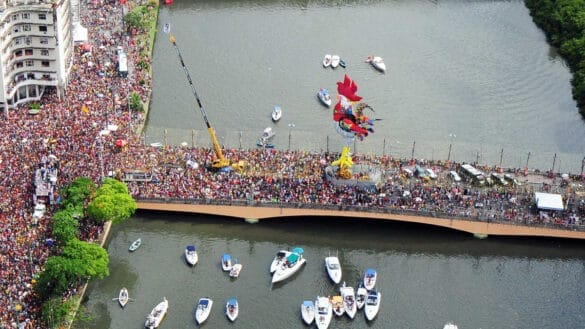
(121, 143)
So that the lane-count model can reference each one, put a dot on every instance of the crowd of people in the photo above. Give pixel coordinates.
(73, 130)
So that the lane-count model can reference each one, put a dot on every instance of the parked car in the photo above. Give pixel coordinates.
(454, 176)
(430, 173)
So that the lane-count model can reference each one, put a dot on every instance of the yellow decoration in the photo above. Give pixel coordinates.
(344, 163)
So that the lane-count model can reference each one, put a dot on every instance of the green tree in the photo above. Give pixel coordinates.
(55, 312)
(65, 226)
(112, 202)
(134, 19)
(90, 260)
(78, 192)
(55, 277)
(136, 103)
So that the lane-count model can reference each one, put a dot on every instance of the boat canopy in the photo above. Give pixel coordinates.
(226, 257)
(298, 250)
(370, 272)
(293, 258)
(232, 302)
(281, 254)
(307, 303)
(204, 302)
(191, 248)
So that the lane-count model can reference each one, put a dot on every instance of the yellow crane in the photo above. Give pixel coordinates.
(219, 162)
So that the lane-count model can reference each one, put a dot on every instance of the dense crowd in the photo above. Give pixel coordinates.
(71, 130)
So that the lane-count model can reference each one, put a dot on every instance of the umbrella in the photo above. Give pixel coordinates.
(121, 143)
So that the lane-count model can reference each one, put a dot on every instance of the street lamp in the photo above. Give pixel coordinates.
(452, 136)
(290, 126)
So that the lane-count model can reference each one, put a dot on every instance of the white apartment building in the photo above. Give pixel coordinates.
(36, 53)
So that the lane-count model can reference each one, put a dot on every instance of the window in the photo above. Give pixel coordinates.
(19, 65)
(30, 63)
(28, 41)
(45, 63)
(17, 41)
(44, 40)
(26, 27)
(18, 53)
(15, 17)
(43, 16)
(16, 29)
(28, 52)
(44, 52)
(25, 15)
(43, 28)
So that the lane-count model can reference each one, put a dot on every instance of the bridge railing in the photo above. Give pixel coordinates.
(463, 214)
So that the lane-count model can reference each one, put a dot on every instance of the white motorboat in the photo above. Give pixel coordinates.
(235, 271)
(123, 297)
(370, 277)
(360, 296)
(335, 61)
(377, 62)
(327, 60)
(450, 325)
(135, 245)
(372, 304)
(308, 311)
(278, 259)
(337, 305)
(276, 113)
(191, 255)
(157, 314)
(348, 295)
(232, 309)
(289, 266)
(203, 309)
(324, 96)
(267, 134)
(324, 312)
(333, 268)
(226, 262)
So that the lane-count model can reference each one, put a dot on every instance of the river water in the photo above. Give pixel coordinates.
(475, 74)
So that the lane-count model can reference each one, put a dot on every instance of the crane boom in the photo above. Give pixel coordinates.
(220, 162)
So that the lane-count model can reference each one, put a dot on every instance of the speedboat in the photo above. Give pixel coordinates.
(360, 296)
(450, 325)
(232, 309)
(157, 314)
(327, 60)
(264, 144)
(333, 268)
(342, 63)
(123, 297)
(324, 97)
(308, 311)
(203, 309)
(235, 271)
(372, 304)
(226, 262)
(278, 259)
(335, 61)
(291, 264)
(267, 134)
(324, 312)
(135, 244)
(337, 305)
(191, 255)
(276, 113)
(349, 305)
(377, 62)
(370, 277)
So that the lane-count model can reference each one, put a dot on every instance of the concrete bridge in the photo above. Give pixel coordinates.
(254, 214)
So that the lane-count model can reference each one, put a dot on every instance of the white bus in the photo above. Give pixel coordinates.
(122, 64)
(472, 174)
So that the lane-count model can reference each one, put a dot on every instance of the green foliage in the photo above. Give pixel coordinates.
(65, 226)
(55, 277)
(34, 106)
(134, 19)
(112, 202)
(563, 21)
(78, 192)
(55, 312)
(91, 260)
(136, 103)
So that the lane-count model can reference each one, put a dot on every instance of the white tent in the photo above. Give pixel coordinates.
(548, 201)
(79, 33)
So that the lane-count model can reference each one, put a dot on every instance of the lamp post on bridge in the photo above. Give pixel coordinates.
(452, 136)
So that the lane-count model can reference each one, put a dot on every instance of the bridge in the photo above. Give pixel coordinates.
(253, 214)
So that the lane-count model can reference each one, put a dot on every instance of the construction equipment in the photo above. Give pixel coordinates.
(219, 163)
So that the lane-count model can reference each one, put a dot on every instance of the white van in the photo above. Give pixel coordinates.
(454, 176)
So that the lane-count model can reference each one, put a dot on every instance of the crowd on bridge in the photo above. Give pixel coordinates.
(69, 127)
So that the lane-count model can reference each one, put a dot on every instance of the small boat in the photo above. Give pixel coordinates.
(335, 61)
(289, 266)
(264, 144)
(370, 277)
(235, 271)
(342, 63)
(308, 311)
(123, 297)
(450, 325)
(203, 309)
(377, 62)
(226, 262)
(372, 304)
(327, 61)
(337, 305)
(157, 314)
(324, 312)
(349, 305)
(324, 97)
(276, 113)
(191, 255)
(333, 268)
(360, 296)
(280, 256)
(232, 309)
(135, 245)
(267, 134)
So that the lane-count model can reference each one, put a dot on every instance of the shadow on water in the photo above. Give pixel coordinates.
(367, 234)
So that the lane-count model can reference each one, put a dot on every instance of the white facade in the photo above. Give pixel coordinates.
(36, 49)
